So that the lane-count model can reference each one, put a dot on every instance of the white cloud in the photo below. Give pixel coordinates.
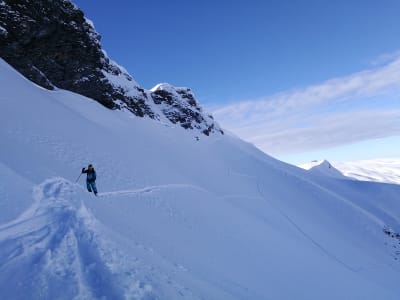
(361, 106)
(328, 131)
(386, 58)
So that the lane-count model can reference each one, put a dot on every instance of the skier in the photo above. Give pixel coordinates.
(90, 179)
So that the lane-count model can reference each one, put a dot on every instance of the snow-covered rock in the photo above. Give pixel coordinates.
(3, 32)
(54, 45)
(179, 105)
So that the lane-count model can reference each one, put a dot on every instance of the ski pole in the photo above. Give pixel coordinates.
(78, 178)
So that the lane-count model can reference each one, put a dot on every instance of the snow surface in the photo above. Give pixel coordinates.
(3, 31)
(176, 217)
(168, 88)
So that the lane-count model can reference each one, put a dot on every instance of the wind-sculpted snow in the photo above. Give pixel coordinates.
(55, 251)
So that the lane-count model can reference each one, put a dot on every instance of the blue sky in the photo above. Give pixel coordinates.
(281, 74)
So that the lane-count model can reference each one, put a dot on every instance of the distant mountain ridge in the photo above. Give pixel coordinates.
(52, 43)
(386, 170)
(324, 168)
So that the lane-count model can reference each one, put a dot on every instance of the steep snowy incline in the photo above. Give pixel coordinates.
(177, 217)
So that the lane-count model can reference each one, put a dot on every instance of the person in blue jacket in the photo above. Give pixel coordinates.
(90, 179)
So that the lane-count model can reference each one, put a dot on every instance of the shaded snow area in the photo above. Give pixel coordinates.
(176, 217)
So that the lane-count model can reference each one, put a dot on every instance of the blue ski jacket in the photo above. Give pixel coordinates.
(91, 175)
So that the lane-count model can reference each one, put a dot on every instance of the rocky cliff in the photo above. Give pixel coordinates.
(52, 43)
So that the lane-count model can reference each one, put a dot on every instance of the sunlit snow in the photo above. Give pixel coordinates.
(177, 217)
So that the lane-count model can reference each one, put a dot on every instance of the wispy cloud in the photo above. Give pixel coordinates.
(386, 58)
(357, 107)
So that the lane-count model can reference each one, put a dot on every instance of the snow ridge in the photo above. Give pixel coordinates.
(324, 168)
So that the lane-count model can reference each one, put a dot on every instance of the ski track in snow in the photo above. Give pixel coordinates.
(305, 234)
(148, 189)
(60, 242)
(296, 226)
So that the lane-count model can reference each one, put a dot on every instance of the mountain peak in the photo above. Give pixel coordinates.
(323, 167)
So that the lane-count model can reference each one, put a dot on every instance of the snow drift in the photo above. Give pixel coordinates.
(178, 216)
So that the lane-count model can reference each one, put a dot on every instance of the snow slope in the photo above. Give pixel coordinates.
(178, 217)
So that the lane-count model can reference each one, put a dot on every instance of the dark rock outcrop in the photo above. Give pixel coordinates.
(181, 107)
(51, 43)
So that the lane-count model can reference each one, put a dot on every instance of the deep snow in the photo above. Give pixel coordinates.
(176, 217)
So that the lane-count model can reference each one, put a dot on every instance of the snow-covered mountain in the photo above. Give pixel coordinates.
(180, 215)
(54, 45)
(177, 217)
(385, 170)
(323, 167)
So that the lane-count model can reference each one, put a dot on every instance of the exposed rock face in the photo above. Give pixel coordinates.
(179, 106)
(51, 43)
